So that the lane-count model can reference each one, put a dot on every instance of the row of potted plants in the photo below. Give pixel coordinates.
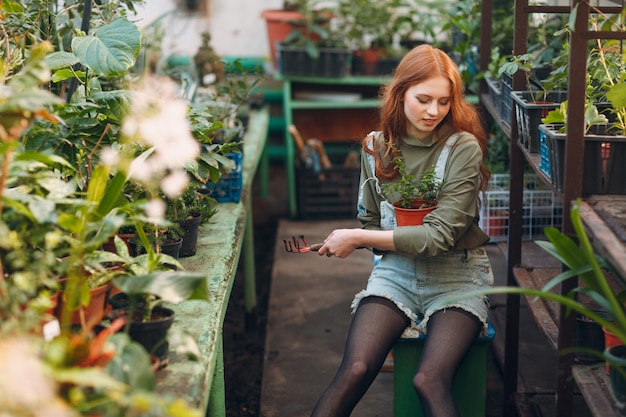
(359, 37)
(544, 102)
(78, 168)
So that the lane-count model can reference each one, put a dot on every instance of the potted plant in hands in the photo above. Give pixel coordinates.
(412, 199)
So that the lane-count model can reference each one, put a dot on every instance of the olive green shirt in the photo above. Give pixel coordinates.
(453, 225)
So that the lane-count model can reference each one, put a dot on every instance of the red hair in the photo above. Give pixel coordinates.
(418, 65)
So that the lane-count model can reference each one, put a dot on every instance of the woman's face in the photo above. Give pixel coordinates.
(425, 106)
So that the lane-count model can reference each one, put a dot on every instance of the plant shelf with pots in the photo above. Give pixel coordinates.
(560, 327)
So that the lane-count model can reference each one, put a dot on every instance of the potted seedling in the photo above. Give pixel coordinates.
(412, 197)
(148, 320)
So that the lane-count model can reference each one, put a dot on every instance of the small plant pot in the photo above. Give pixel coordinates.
(616, 356)
(167, 248)
(609, 340)
(190, 239)
(152, 335)
(589, 340)
(109, 245)
(93, 312)
(411, 216)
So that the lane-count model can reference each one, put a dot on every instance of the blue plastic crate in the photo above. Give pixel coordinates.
(544, 152)
(506, 101)
(228, 187)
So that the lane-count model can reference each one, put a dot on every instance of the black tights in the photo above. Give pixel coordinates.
(375, 328)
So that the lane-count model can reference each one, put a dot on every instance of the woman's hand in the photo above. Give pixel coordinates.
(342, 242)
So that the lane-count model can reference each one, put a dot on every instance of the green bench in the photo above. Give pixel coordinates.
(469, 387)
(221, 243)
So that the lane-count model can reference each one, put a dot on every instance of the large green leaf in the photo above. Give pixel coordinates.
(112, 193)
(617, 95)
(112, 50)
(36, 71)
(28, 100)
(61, 59)
(172, 286)
(131, 363)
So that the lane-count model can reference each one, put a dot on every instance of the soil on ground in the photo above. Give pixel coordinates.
(244, 334)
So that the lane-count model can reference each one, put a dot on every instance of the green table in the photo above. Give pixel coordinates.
(228, 235)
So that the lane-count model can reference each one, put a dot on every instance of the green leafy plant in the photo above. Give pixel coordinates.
(312, 30)
(578, 254)
(559, 116)
(617, 97)
(411, 193)
(382, 25)
(148, 291)
(191, 203)
(515, 63)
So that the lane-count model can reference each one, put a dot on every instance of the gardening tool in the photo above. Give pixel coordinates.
(299, 245)
(311, 152)
(308, 156)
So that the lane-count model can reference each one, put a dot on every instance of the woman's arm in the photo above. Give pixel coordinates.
(342, 242)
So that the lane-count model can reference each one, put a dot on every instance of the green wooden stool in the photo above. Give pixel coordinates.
(469, 386)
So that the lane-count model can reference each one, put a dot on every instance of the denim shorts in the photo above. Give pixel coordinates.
(419, 286)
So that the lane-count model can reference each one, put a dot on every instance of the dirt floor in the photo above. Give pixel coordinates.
(244, 334)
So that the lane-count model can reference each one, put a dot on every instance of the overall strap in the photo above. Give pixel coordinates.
(440, 166)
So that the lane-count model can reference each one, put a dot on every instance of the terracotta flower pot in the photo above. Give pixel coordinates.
(411, 217)
(109, 245)
(279, 26)
(609, 340)
(94, 312)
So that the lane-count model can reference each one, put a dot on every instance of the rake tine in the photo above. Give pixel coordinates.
(296, 243)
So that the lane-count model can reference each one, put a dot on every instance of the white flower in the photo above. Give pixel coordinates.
(155, 210)
(109, 156)
(141, 170)
(174, 184)
(26, 388)
(159, 122)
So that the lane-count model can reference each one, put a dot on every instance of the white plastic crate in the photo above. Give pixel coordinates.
(500, 182)
(541, 209)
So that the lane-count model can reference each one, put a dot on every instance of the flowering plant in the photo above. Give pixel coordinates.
(49, 212)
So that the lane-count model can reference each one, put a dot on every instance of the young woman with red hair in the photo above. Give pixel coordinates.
(424, 119)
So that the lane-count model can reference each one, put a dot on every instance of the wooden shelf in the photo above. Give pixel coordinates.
(558, 328)
(351, 80)
(359, 104)
(544, 312)
(328, 117)
(595, 386)
(488, 104)
(604, 234)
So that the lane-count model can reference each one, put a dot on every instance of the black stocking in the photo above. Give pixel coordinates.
(376, 326)
(450, 335)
